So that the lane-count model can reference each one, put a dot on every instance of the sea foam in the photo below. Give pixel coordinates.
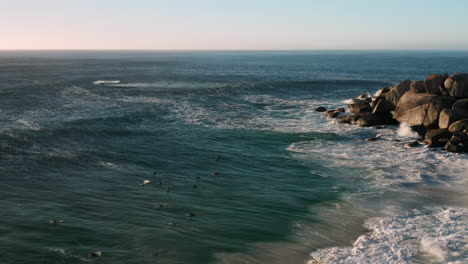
(435, 235)
(405, 131)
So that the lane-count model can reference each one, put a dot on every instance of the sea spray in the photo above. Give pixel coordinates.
(405, 131)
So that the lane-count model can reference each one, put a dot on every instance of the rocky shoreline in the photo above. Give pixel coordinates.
(436, 108)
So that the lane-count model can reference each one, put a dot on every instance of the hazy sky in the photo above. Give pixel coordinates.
(234, 24)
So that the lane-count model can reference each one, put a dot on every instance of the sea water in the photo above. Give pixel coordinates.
(241, 169)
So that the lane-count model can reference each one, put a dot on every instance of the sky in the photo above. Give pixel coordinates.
(234, 24)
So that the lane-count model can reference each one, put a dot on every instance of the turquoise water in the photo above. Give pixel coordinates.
(289, 182)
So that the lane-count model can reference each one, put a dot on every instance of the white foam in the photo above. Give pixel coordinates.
(277, 114)
(104, 82)
(68, 254)
(387, 163)
(29, 124)
(438, 234)
(171, 85)
(108, 165)
(405, 131)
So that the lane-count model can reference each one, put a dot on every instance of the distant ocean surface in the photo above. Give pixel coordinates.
(242, 169)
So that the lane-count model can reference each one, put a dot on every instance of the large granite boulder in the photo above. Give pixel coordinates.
(459, 126)
(418, 87)
(449, 116)
(421, 109)
(388, 101)
(457, 85)
(435, 84)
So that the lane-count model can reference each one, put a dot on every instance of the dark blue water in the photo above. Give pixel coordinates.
(76, 151)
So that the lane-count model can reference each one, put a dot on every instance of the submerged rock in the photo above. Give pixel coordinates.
(373, 138)
(320, 109)
(412, 144)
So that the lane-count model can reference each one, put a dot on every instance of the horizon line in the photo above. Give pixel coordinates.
(192, 50)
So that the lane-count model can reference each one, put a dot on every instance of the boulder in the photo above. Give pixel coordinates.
(458, 143)
(437, 137)
(359, 108)
(448, 116)
(421, 109)
(403, 87)
(435, 84)
(461, 105)
(457, 85)
(341, 109)
(332, 113)
(320, 109)
(459, 126)
(388, 101)
(418, 87)
(369, 119)
(382, 91)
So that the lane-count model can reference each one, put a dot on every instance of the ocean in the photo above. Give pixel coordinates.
(241, 168)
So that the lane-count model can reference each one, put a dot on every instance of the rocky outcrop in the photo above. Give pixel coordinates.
(436, 108)
(421, 109)
(457, 85)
